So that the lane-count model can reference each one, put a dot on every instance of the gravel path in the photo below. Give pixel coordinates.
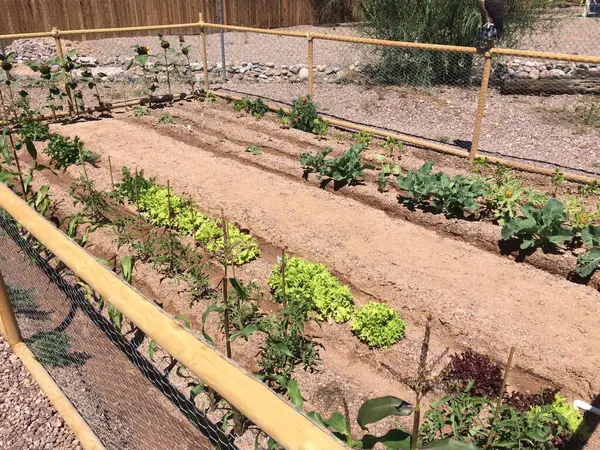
(27, 419)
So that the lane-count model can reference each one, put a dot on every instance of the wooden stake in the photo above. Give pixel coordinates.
(169, 226)
(204, 57)
(112, 180)
(284, 301)
(311, 70)
(61, 57)
(12, 143)
(500, 397)
(7, 316)
(227, 254)
(485, 80)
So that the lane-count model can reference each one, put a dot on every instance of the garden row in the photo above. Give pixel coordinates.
(161, 234)
(527, 216)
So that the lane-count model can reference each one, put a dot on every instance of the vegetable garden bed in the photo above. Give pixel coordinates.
(202, 154)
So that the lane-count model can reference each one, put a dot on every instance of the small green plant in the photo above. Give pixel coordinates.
(141, 111)
(257, 108)
(363, 137)
(539, 227)
(303, 114)
(31, 128)
(388, 168)
(64, 152)
(311, 287)
(444, 139)
(344, 169)
(378, 325)
(392, 146)
(503, 194)
(95, 203)
(320, 128)
(132, 187)
(578, 214)
(589, 261)
(165, 118)
(244, 304)
(587, 190)
(557, 179)
(254, 150)
(536, 198)
(587, 113)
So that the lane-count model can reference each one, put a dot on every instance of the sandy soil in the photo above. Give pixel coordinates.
(481, 300)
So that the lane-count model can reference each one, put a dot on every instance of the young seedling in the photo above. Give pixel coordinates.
(254, 150)
(165, 118)
(558, 178)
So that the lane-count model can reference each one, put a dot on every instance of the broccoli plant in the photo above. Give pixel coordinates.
(589, 261)
(419, 185)
(539, 227)
(344, 169)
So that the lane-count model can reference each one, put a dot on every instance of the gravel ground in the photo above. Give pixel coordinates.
(27, 419)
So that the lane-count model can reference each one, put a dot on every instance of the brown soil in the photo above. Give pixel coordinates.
(550, 320)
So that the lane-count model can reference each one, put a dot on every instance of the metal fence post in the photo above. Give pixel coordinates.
(204, 57)
(7, 316)
(223, 65)
(485, 80)
(311, 72)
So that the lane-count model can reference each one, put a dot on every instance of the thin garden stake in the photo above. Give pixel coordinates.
(194, 230)
(12, 143)
(226, 255)
(171, 256)
(283, 278)
(112, 180)
(500, 397)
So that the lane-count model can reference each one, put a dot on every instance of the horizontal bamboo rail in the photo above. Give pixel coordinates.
(276, 417)
(546, 55)
(432, 145)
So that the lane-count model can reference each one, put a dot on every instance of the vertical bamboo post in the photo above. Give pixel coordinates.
(227, 254)
(311, 71)
(284, 300)
(61, 57)
(112, 180)
(500, 397)
(204, 57)
(485, 80)
(7, 316)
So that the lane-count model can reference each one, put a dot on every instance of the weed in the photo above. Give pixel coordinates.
(444, 139)
(63, 152)
(165, 118)
(363, 138)
(587, 113)
(587, 190)
(141, 111)
(254, 150)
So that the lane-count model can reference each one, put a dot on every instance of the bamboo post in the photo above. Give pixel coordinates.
(500, 397)
(7, 316)
(284, 301)
(311, 70)
(112, 180)
(61, 57)
(226, 255)
(485, 80)
(204, 57)
(18, 164)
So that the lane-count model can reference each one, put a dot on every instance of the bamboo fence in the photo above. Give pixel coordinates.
(310, 38)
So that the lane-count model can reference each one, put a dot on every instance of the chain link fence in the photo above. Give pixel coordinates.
(129, 399)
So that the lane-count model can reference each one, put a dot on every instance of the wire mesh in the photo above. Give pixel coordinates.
(128, 400)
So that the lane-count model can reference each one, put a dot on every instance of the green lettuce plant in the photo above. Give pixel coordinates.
(311, 287)
(378, 325)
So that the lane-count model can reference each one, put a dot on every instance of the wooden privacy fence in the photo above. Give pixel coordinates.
(31, 16)
(488, 56)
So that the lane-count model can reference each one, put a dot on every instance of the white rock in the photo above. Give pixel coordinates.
(534, 74)
(303, 73)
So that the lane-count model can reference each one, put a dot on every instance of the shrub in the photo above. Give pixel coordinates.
(378, 325)
(471, 366)
(63, 152)
(452, 22)
(311, 287)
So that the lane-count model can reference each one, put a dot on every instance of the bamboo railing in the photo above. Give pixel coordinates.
(310, 38)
